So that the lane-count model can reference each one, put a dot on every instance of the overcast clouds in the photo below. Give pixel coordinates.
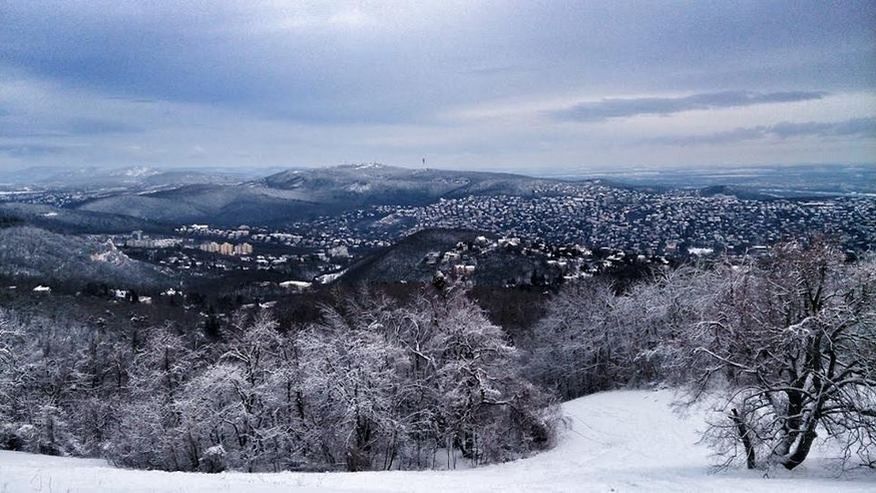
(526, 86)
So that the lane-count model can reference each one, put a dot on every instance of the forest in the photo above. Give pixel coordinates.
(783, 344)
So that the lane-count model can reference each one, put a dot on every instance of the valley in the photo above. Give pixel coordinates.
(305, 228)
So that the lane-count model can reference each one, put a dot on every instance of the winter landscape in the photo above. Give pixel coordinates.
(437, 246)
(602, 450)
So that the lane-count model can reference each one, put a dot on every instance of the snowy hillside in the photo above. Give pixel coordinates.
(28, 252)
(617, 441)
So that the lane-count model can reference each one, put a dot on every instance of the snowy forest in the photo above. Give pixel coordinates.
(784, 345)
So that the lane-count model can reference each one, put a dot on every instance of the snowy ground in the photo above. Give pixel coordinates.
(618, 441)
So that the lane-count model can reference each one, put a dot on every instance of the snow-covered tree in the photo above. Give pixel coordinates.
(378, 383)
(488, 410)
(354, 378)
(148, 430)
(790, 344)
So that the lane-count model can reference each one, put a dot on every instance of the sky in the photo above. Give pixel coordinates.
(532, 86)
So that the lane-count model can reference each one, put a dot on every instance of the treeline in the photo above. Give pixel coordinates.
(783, 346)
(378, 384)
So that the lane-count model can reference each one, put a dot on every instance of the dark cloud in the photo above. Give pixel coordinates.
(856, 127)
(242, 55)
(346, 73)
(623, 108)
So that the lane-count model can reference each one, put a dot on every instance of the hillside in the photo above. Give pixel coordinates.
(140, 177)
(74, 220)
(409, 261)
(616, 441)
(374, 184)
(301, 193)
(43, 256)
(217, 204)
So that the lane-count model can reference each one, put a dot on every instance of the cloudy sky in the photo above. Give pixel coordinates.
(534, 86)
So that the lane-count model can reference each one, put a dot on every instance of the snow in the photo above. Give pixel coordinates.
(359, 187)
(111, 255)
(699, 252)
(330, 277)
(616, 441)
(299, 285)
(137, 172)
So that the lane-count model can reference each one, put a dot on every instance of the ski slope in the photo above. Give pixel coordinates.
(616, 441)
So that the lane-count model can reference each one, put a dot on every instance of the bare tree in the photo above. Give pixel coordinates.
(379, 383)
(790, 342)
(592, 339)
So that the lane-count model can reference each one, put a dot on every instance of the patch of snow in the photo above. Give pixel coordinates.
(111, 255)
(368, 166)
(330, 277)
(299, 285)
(138, 172)
(699, 252)
(615, 441)
(359, 187)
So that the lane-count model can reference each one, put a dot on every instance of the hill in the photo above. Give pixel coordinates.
(304, 193)
(75, 220)
(216, 204)
(368, 184)
(615, 441)
(417, 258)
(38, 255)
(141, 177)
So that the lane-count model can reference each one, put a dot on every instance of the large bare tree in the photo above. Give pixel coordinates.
(790, 343)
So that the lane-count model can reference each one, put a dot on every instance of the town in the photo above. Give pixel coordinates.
(567, 217)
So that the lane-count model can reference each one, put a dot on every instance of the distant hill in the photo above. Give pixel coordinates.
(215, 204)
(147, 208)
(140, 178)
(758, 182)
(303, 193)
(374, 183)
(43, 256)
(73, 220)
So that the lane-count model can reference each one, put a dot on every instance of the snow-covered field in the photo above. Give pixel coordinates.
(617, 441)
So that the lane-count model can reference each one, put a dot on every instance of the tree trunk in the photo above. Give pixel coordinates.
(742, 429)
(802, 450)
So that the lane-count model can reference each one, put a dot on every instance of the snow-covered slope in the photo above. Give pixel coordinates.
(45, 256)
(617, 441)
